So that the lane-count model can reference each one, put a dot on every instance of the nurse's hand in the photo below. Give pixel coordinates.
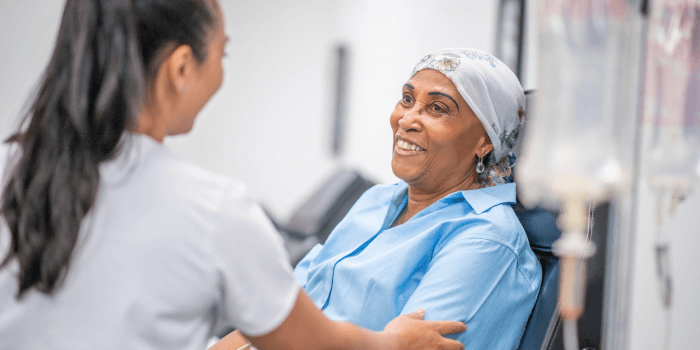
(413, 333)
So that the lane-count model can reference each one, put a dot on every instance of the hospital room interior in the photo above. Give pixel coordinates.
(608, 160)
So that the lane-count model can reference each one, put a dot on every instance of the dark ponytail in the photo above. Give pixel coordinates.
(106, 53)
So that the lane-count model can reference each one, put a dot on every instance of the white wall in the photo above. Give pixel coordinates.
(269, 123)
(386, 39)
(27, 32)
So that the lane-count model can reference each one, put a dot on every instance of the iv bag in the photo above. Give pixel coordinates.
(580, 139)
(672, 92)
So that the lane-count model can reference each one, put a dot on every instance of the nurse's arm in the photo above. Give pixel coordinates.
(307, 328)
(232, 341)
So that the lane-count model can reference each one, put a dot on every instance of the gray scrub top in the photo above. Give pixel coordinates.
(169, 253)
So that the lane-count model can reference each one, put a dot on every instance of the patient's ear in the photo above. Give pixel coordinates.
(484, 146)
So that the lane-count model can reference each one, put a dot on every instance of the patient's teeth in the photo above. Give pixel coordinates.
(408, 146)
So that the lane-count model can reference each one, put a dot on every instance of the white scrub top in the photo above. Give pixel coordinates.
(169, 254)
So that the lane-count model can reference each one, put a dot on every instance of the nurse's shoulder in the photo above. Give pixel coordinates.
(148, 166)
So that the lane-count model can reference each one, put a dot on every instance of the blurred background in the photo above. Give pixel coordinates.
(308, 89)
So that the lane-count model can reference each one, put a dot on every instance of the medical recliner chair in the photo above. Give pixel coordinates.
(541, 229)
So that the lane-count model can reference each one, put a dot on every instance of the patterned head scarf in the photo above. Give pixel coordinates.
(491, 90)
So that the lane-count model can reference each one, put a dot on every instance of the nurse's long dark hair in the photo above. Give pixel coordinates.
(106, 53)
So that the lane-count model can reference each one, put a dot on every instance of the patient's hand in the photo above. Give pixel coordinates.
(413, 332)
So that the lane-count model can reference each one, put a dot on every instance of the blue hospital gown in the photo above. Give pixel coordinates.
(464, 258)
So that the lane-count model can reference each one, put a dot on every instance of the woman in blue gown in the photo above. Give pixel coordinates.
(444, 238)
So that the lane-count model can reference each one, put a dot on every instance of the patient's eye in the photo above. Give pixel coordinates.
(407, 99)
(436, 107)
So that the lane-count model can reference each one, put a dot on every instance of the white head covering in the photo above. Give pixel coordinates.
(489, 87)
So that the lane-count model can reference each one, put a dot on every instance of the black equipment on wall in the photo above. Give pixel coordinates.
(314, 220)
(340, 96)
(510, 34)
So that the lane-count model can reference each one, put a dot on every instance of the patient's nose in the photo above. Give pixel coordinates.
(410, 121)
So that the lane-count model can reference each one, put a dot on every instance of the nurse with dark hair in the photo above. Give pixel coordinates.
(110, 241)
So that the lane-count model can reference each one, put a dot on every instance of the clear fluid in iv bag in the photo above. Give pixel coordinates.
(671, 92)
(579, 140)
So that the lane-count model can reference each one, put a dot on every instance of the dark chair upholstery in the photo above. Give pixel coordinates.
(541, 229)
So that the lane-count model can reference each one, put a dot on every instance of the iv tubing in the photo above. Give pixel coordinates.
(573, 248)
(570, 335)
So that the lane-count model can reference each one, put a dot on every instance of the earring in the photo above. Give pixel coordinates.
(184, 89)
(480, 166)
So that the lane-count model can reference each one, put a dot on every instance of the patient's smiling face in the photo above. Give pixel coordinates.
(436, 135)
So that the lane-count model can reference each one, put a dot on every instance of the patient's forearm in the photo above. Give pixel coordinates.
(232, 341)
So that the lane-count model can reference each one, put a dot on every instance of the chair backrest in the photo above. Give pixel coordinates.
(541, 229)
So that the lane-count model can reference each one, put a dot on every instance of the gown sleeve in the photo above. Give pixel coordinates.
(476, 281)
(301, 271)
